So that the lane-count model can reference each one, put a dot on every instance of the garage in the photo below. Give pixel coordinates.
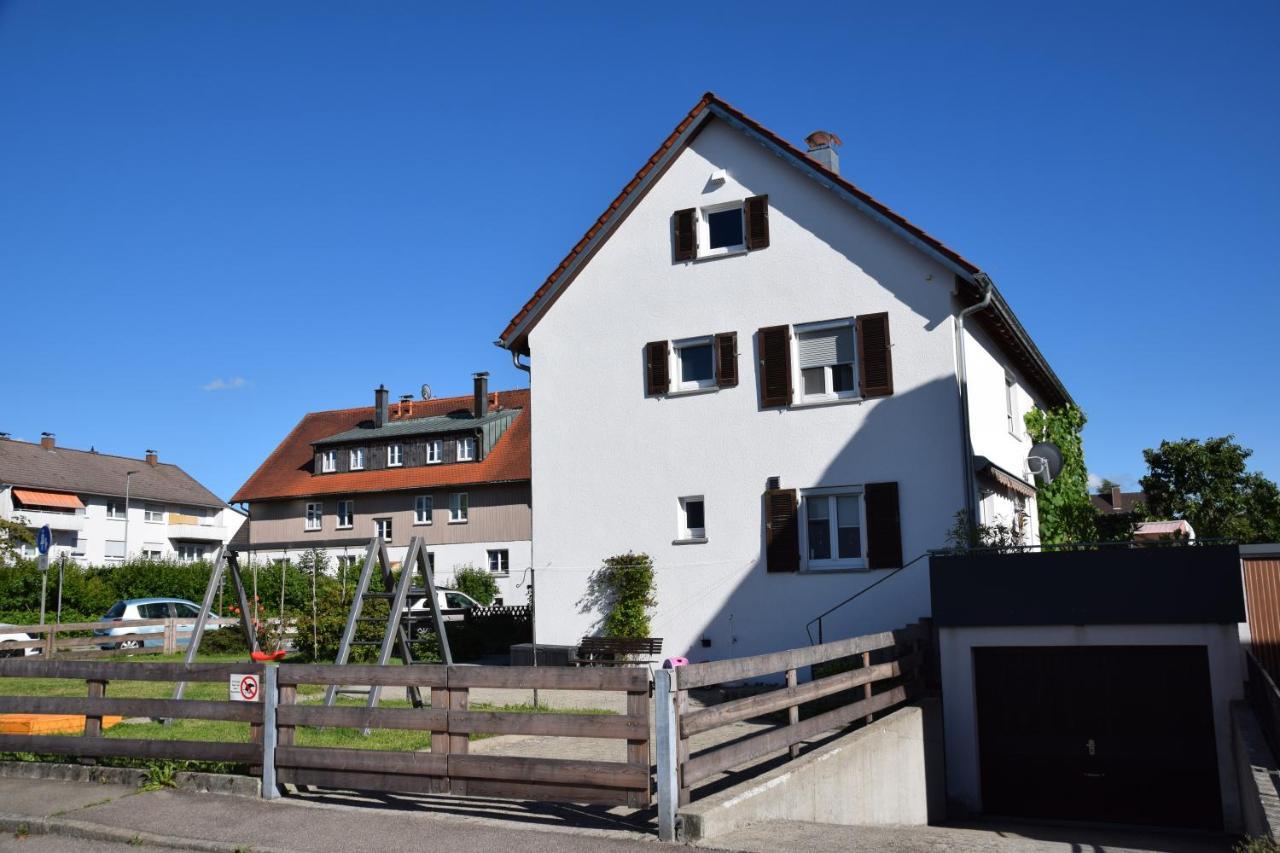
(1117, 734)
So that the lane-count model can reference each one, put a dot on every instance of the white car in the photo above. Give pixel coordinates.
(453, 608)
(14, 637)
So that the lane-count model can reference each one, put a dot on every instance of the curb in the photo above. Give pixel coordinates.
(65, 828)
(202, 783)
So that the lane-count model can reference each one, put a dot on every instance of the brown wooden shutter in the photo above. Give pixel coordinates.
(726, 359)
(781, 531)
(685, 233)
(884, 527)
(875, 358)
(756, 209)
(657, 374)
(775, 366)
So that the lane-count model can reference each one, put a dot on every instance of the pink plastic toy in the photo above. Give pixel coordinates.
(672, 663)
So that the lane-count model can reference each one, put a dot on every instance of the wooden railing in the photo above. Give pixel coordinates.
(98, 703)
(76, 639)
(448, 767)
(854, 679)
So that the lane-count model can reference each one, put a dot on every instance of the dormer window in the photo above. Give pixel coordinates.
(357, 459)
(466, 449)
(328, 461)
(433, 451)
(395, 456)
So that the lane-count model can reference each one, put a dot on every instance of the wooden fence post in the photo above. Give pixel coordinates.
(793, 713)
(866, 688)
(440, 739)
(459, 698)
(51, 642)
(668, 754)
(638, 750)
(682, 740)
(170, 636)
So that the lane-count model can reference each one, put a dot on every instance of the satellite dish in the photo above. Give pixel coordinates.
(426, 391)
(1044, 462)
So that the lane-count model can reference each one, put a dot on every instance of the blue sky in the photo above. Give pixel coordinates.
(217, 216)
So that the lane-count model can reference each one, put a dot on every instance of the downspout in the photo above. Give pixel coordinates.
(987, 289)
(515, 359)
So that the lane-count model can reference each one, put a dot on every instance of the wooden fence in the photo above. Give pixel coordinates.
(853, 680)
(76, 639)
(448, 767)
(98, 703)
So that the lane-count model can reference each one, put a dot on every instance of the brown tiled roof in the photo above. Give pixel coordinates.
(89, 473)
(1128, 500)
(286, 473)
(999, 318)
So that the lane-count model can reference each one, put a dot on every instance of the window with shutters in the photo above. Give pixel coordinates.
(832, 529)
(692, 519)
(691, 365)
(824, 359)
(1011, 405)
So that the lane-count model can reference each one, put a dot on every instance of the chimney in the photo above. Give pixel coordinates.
(46, 440)
(152, 459)
(481, 403)
(380, 397)
(1116, 505)
(822, 149)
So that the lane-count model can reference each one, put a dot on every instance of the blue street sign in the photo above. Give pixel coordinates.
(43, 540)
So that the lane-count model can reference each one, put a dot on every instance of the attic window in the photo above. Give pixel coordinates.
(723, 229)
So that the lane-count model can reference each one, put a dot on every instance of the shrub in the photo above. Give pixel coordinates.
(476, 583)
(622, 590)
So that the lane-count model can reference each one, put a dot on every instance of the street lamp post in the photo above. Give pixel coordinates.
(128, 475)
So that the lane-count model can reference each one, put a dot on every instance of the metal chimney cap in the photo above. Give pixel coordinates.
(822, 139)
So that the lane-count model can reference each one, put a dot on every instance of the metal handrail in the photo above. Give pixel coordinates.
(818, 619)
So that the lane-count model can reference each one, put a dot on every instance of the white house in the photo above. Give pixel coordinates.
(102, 509)
(755, 372)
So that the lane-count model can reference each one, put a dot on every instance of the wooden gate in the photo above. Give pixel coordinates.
(1262, 605)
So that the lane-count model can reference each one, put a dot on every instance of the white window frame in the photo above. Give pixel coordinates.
(421, 503)
(313, 518)
(111, 557)
(835, 563)
(1011, 404)
(678, 385)
(349, 505)
(504, 561)
(395, 455)
(685, 533)
(153, 515)
(115, 510)
(379, 524)
(704, 229)
(328, 461)
(799, 397)
(152, 552)
(355, 459)
(467, 449)
(434, 451)
(459, 508)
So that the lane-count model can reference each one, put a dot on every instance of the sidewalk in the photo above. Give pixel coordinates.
(217, 822)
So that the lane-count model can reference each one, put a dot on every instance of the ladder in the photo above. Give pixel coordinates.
(226, 558)
(396, 592)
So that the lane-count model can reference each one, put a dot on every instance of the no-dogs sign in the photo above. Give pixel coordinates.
(244, 688)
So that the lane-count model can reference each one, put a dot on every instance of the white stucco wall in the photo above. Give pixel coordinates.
(960, 714)
(609, 463)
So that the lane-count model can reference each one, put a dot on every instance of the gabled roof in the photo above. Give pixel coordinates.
(87, 472)
(286, 473)
(998, 318)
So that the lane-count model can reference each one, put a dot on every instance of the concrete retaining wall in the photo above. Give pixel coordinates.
(1257, 773)
(887, 773)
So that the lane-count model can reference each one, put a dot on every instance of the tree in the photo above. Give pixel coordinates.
(477, 583)
(12, 535)
(1207, 484)
(1105, 487)
(1063, 506)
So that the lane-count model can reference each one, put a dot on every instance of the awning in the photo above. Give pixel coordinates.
(989, 470)
(53, 500)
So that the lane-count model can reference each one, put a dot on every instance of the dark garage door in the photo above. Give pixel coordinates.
(1120, 734)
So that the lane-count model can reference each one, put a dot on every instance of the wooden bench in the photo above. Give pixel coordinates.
(615, 651)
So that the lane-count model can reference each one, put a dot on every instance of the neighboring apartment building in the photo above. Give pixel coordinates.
(102, 509)
(799, 391)
(454, 471)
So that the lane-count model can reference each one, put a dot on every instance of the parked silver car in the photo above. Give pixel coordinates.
(150, 608)
(8, 637)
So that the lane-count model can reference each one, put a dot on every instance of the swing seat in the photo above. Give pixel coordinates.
(264, 657)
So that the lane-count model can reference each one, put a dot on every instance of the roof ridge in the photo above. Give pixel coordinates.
(142, 459)
(432, 400)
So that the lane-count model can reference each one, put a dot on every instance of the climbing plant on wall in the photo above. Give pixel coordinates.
(1063, 506)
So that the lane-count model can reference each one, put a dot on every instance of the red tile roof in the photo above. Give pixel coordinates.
(709, 100)
(286, 473)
